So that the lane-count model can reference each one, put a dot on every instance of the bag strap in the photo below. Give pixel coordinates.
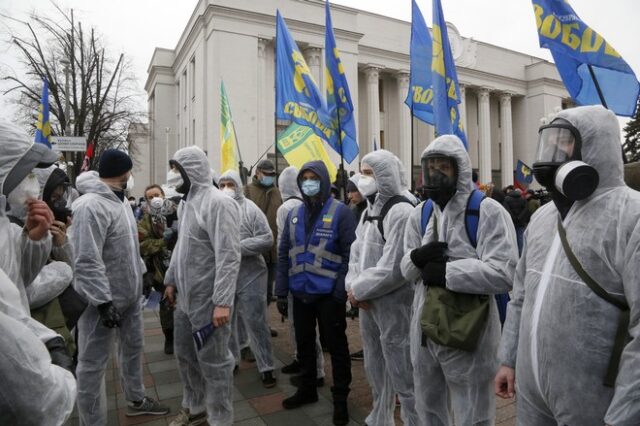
(294, 197)
(623, 321)
(396, 199)
(472, 216)
(427, 209)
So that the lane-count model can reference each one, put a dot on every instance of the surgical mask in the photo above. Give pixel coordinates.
(174, 179)
(27, 189)
(310, 187)
(367, 186)
(230, 192)
(267, 180)
(132, 203)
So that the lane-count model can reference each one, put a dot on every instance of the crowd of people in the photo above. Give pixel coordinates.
(428, 274)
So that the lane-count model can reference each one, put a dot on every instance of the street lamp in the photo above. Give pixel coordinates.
(67, 115)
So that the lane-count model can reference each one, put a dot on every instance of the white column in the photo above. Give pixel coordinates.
(485, 135)
(263, 114)
(372, 74)
(314, 60)
(404, 122)
(507, 139)
(463, 109)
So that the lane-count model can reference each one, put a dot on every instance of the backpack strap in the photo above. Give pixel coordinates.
(396, 199)
(294, 197)
(472, 216)
(622, 332)
(427, 210)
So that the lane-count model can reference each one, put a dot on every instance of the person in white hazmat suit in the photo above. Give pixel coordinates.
(559, 335)
(375, 283)
(443, 373)
(108, 275)
(251, 291)
(34, 391)
(202, 279)
(291, 198)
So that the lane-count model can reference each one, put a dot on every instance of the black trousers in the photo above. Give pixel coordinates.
(330, 316)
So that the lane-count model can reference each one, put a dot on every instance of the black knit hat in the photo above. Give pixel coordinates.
(113, 163)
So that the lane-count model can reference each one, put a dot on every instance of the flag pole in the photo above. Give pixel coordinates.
(413, 185)
(342, 172)
(598, 89)
(243, 177)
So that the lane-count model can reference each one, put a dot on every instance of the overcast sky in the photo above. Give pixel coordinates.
(136, 27)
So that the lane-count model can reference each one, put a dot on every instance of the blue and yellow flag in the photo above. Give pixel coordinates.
(230, 155)
(299, 145)
(339, 102)
(524, 174)
(420, 96)
(297, 95)
(446, 94)
(576, 47)
(43, 127)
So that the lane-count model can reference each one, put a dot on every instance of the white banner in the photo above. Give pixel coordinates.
(68, 143)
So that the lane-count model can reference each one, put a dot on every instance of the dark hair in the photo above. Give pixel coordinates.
(152, 187)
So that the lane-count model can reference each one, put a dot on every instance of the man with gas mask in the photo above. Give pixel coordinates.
(250, 302)
(375, 281)
(156, 242)
(455, 327)
(201, 282)
(109, 277)
(571, 343)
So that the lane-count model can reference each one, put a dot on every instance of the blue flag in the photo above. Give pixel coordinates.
(446, 94)
(297, 95)
(43, 127)
(338, 97)
(524, 174)
(575, 47)
(420, 96)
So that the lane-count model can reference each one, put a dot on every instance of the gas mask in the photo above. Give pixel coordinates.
(558, 166)
(440, 175)
(60, 210)
(27, 189)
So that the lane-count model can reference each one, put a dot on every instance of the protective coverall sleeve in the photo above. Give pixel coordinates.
(385, 276)
(224, 234)
(262, 238)
(52, 280)
(34, 254)
(412, 240)
(282, 270)
(625, 408)
(88, 238)
(492, 272)
(508, 349)
(63, 253)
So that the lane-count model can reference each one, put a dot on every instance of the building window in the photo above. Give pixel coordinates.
(381, 94)
(192, 72)
(381, 139)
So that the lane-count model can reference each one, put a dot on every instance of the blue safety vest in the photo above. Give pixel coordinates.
(314, 259)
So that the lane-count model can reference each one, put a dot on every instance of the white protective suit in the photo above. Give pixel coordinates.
(251, 291)
(20, 257)
(467, 377)
(374, 277)
(559, 334)
(34, 391)
(108, 268)
(204, 268)
(292, 198)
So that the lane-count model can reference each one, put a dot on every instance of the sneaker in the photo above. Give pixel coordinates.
(268, 381)
(146, 406)
(247, 355)
(297, 381)
(293, 368)
(168, 347)
(186, 419)
(299, 399)
(340, 413)
(358, 356)
(273, 332)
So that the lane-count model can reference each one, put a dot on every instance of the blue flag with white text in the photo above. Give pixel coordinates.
(444, 78)
(575, 46)
(339, 102)
(420, 96)
(43, 127)
(297, 95)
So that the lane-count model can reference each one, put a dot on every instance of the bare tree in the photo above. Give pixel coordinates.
(101, 95)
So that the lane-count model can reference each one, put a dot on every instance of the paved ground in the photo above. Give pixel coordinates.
(253, 404)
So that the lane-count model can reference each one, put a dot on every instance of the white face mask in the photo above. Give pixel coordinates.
(129, 186)
(174, 179)
(156, 203)
(367, 186)
(27, 189)
(230, 192)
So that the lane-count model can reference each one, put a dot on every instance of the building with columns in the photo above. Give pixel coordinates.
(504, 93)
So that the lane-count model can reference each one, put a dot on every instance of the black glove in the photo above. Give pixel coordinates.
(283, 306)
(59, 354)
(431, 252)
(110, 316)
(434, 274)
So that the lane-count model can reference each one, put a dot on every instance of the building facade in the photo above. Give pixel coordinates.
(505, 94)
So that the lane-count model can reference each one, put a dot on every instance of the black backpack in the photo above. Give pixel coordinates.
(396, 199)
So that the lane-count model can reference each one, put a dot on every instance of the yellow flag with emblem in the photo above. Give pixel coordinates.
(228, 142)
(299, 145)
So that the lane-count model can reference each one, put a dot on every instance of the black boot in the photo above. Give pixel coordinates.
(300, 398)
(340, 413)
(168, 342)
